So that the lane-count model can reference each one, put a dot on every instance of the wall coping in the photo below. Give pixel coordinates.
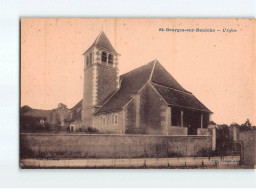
(121, 135)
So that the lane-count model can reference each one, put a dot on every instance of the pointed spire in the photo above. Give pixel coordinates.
(103, 42)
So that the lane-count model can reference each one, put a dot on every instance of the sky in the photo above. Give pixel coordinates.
(217, 67)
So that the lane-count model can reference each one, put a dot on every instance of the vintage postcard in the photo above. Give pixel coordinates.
(138, 93)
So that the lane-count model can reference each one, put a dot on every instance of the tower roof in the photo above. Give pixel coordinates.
(102, 41)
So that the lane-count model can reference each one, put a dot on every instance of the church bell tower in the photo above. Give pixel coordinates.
(101, 77)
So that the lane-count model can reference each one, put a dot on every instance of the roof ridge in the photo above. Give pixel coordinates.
(136, 68)
(76, 104)
(186, 92)
(163, 77)
(107, 100)
(157, 92)
(97, 39)
(151, 74)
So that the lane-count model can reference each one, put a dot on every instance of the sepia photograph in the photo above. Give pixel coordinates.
(137, 93)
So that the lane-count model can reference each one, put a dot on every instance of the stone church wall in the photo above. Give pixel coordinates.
(131, 119)
(106, 82)
(149, 114)
(153, 108)
(109, 127)
(88, 86)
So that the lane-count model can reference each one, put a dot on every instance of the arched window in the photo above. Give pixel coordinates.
(91, 58)
(87, 61)
(104, 57)
(110, 59)
(115, 119)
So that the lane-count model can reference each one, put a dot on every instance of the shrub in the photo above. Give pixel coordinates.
(88, 130)
(247, 126)
(92, 130)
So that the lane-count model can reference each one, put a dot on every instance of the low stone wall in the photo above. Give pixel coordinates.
(67, 146)
(174, 130)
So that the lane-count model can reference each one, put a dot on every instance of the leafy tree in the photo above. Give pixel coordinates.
(246, 126)
(62, 106)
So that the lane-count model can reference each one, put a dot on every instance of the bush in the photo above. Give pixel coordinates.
(32, 124)
(92, 130)
(247, 126)
(88, 130)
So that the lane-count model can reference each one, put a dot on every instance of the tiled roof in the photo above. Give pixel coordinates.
(163, 77)
(179, 98)
(78, 106)
(37, 113)
(131, 82)
(102, 41)
(75, 112)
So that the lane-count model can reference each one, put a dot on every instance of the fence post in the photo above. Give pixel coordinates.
(234, 128)
(211, 126)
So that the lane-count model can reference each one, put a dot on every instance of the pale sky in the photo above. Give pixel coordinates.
(217, 67)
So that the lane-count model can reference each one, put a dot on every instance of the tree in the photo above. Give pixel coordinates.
(246, 126)
(62, 106)
(62, 111)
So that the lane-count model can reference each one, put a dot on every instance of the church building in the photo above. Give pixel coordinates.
(146, 100)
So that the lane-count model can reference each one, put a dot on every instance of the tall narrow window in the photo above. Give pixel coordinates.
(115, 119)
(110, 59)
(103, 121)
(90, 59)
(104, 56)
(87, 60)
